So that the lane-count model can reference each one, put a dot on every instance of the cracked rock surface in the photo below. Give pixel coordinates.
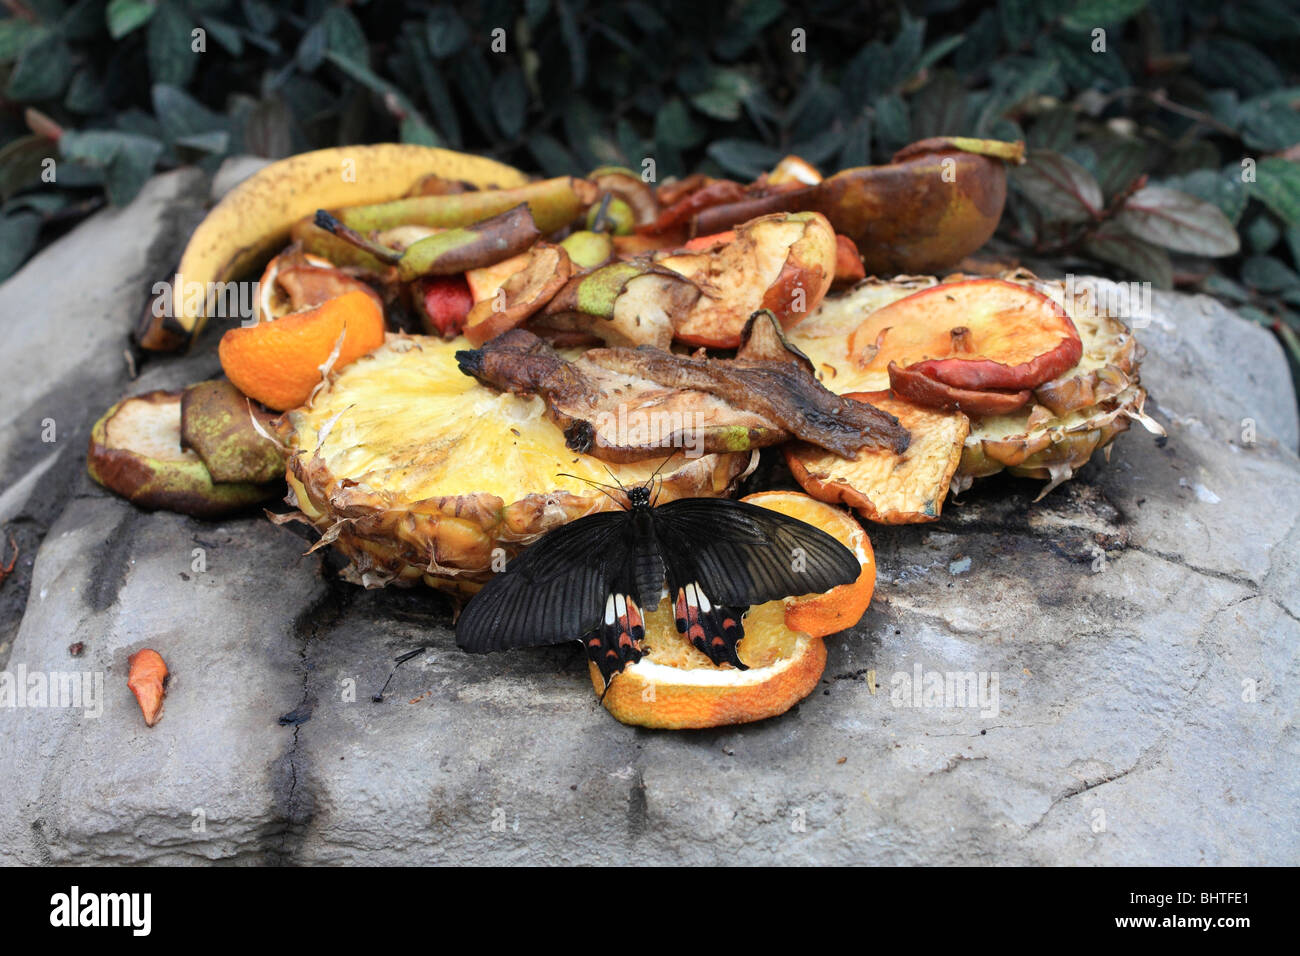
(1132, 639)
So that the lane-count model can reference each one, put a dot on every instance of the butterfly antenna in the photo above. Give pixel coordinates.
(655, 474)
(599, 485)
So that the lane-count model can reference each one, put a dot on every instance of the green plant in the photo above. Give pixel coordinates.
(1183, 92)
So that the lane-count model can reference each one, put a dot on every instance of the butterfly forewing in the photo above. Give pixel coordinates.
(554, 591)
(743, 554)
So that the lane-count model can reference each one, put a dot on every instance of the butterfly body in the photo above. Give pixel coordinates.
(595, 579)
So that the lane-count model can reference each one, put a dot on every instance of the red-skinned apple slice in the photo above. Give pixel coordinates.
(920, 389)
(975, 334)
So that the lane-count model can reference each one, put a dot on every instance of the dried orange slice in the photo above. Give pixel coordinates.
(883, 486)
(976, 334)
(840, 607)
(675, 686)
(280, 362)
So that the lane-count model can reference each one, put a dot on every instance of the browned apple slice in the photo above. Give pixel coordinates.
(521, 295)
(976, 334)
(785, 263)
(884, 485)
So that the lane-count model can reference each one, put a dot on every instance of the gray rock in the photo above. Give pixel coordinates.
(1140, 622)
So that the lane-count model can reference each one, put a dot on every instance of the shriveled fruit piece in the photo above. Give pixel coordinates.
(612, 216)
(848, 262)
(677, 212)
(885, 486)
(974, 334)
(553, 203)
(675, 686)
(629, 187)
(135, 451)
(443, 304)
(216, 423)
(784, 263)
(415, 471)
(295, 280)
(450, 251)
(279, 363)
(794, 169)
(523, 294)
(1034, 443)
(843, 606)
(920, 388)
(624, 303)
(484, 282)
(147, 678)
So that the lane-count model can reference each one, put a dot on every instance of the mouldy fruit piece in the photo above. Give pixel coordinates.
(135, 451)
(216, 423)
(416, 471)
(1034, 443)
(784, 263)
(521, 295)
(147, 678)
(624, 303)
(884, 486)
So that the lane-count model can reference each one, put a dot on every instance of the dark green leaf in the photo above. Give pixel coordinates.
(344, 36)
(259, 16)
(675, 127)
(227, 35)
(127, 159)
(85, 93)
(1119, 163)
(573, 42)
(1019, 21)
(42, 71)
(213, 141)
(535, 11)
(1225, 288)
(416, 130)
(857, 144)
(1262, 234)
(1270, 126)
(172, 59)
(723, 97)
(1292, 235)
(15, 33)
(938, 50)
(125, 16)
(1178, 221)
(1060, 187)
(21, 163)
(554, 159)
(1053, 129)
(747, 27)
(1277, 185)
(1226, 61)
(744, 158)
(1086, 15)
(18, 233)
(437, 94)
(893, 125)
(1136, 257)
(445, 31)
(1268, 274)
(311, 49)
(939, 109)
(181, 115)
(510, 100)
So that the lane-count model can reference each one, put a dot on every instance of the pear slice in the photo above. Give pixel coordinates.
(215, 423)
(135, 451)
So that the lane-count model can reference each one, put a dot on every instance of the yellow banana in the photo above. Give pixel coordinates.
(254, 218)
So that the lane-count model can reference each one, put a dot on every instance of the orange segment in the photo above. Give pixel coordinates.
(840, 607)
(279, 363)
(976, 334)
(676, 687)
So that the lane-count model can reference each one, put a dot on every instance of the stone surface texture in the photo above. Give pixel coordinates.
(1142, 623)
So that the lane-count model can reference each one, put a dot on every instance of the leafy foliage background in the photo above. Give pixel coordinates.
(1184, 92)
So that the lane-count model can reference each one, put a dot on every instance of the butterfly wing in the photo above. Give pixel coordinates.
(578, 582)
(554, 591)
(721, 556)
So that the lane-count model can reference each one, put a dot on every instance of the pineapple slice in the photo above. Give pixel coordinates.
(416, 471)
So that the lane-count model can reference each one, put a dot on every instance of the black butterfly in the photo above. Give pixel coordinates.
(594, 578)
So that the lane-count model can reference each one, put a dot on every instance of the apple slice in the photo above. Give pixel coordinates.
(918, 387)
(521, 295)
(882, 485)
(975, 334)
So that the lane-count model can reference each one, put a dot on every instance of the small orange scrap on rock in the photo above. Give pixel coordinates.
(146, 678)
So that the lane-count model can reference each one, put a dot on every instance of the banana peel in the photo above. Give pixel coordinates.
(255, 218)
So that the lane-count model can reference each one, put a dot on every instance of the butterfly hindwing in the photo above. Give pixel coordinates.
(554, 591)
(723, 556)
(745, 555)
